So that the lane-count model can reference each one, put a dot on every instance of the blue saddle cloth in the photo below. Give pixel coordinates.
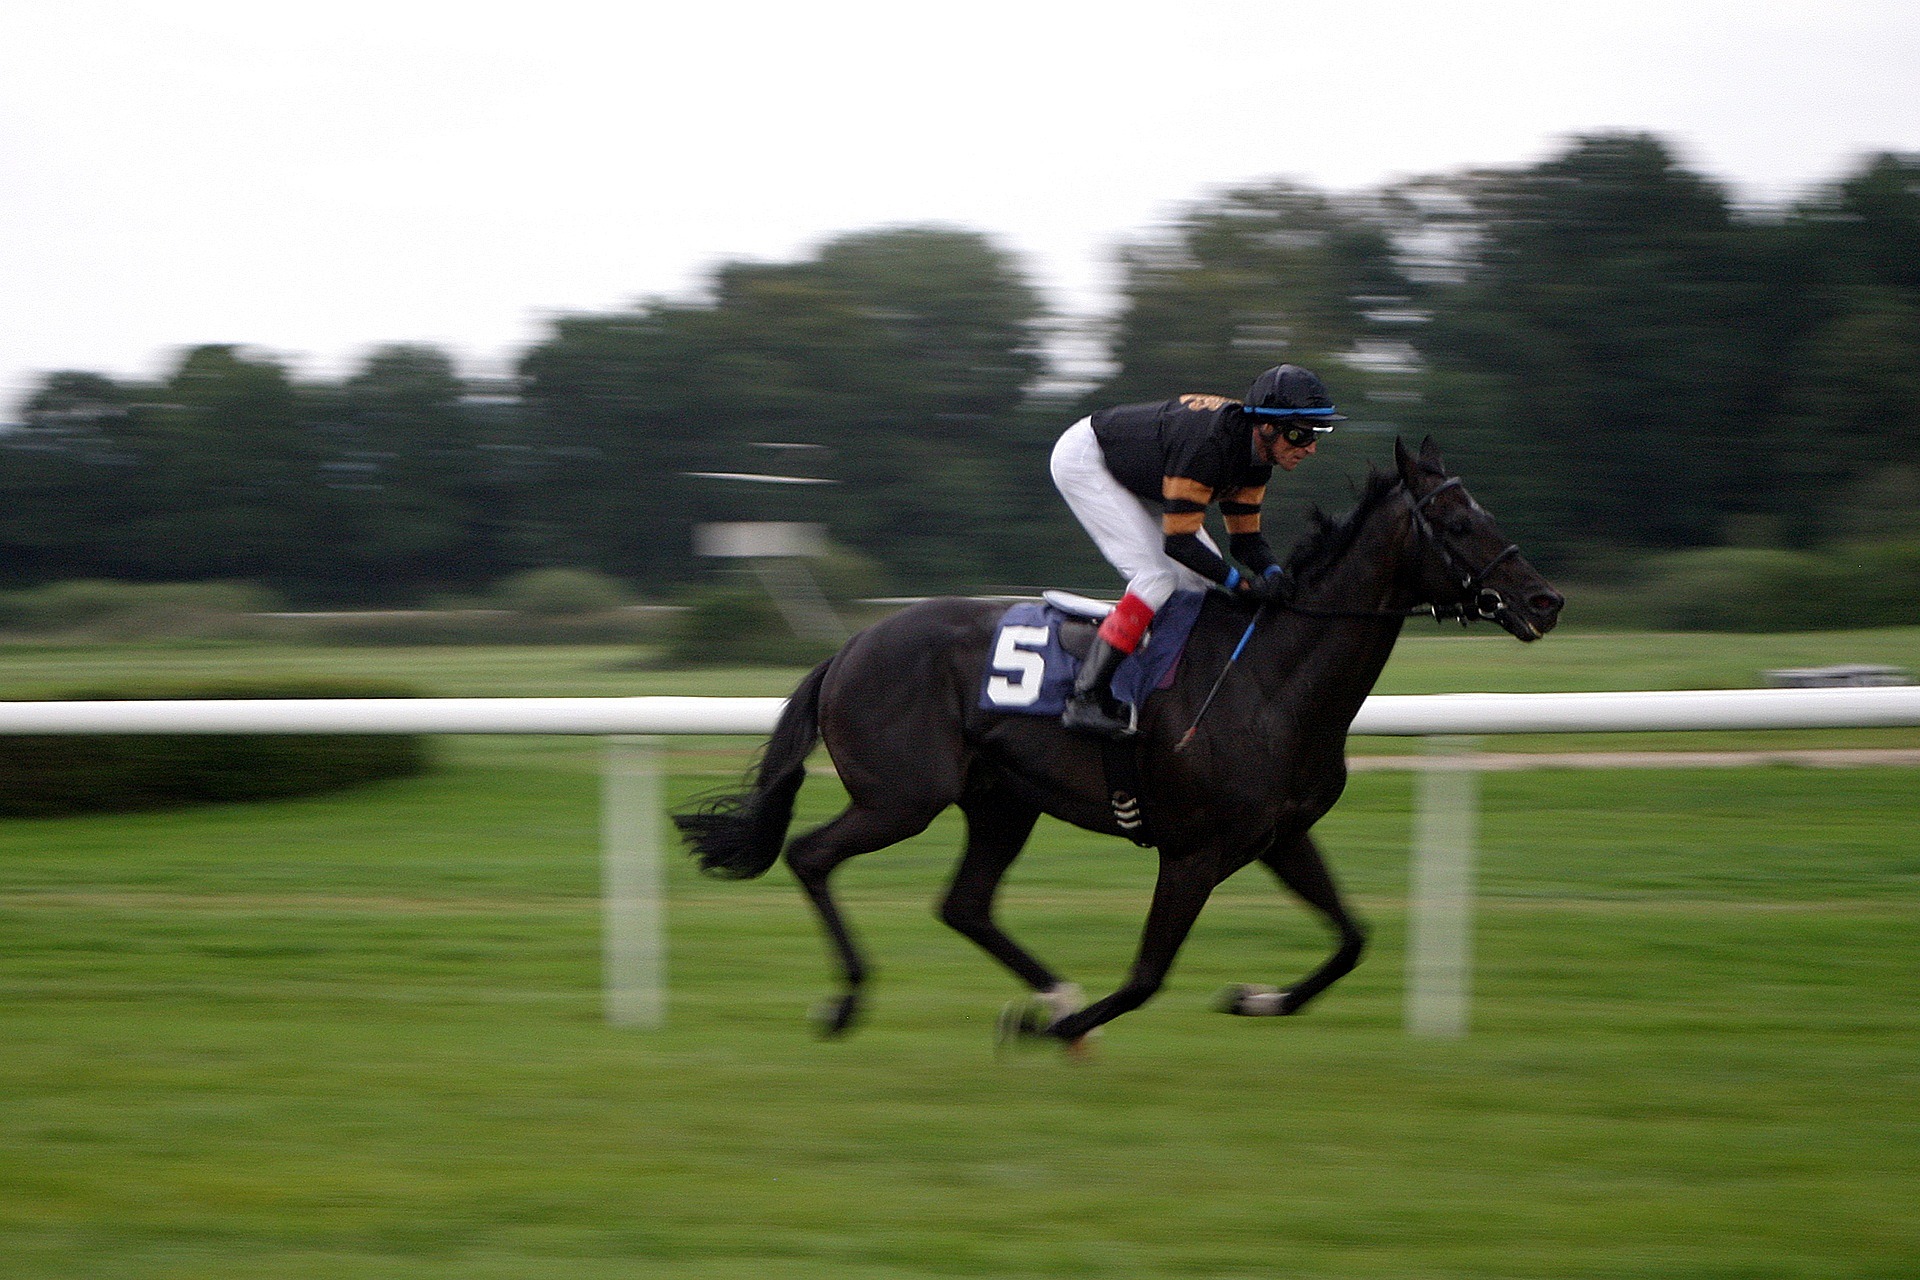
(1029, 672)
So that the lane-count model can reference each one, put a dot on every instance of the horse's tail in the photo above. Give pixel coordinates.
(738, 836)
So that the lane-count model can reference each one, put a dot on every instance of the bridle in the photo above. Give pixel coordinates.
(1478, 601)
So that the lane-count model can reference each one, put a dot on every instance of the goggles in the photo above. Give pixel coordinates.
(1293, 430)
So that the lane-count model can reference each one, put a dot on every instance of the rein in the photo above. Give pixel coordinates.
(1478, 601)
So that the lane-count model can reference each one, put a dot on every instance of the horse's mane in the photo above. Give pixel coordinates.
(1321, 546)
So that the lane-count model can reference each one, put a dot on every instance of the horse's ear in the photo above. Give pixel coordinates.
(1430, 456)
(1403, 461)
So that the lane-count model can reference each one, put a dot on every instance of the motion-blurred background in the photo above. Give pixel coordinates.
(384, 305)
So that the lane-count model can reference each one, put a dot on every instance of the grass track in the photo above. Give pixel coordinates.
(358, 1036)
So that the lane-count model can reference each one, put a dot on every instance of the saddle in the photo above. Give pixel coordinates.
(1080, 618)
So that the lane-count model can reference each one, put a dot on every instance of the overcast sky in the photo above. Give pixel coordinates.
(317, 178)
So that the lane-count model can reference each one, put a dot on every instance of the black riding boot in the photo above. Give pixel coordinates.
(1093, 708)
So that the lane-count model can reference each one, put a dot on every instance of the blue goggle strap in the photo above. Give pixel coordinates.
(1294, 413)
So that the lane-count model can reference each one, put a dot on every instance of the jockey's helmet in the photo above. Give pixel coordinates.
(1287, 390)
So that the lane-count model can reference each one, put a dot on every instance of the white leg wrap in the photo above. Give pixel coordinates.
(1062, 998)
(1252, 1001)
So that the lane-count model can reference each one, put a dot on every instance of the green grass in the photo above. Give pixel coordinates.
(360, 1036)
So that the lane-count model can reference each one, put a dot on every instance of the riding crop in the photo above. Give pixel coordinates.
(1220, 679)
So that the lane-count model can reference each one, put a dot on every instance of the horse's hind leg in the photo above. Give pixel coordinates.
(1297, 864)
(812, 858)
(997, 830)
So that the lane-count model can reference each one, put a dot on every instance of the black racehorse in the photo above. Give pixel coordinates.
(899, 710)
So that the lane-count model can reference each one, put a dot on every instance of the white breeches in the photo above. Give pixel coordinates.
(1125, 528)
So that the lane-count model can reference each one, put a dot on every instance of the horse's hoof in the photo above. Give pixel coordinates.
(835, 1016)
(1033, 1019)
(1021, 1022)
(1025, 1022)
(1248, 1000)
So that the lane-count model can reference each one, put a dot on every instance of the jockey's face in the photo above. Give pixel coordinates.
(1287, 456)
(1283, 455)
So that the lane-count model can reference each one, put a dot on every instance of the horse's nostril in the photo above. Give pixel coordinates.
(1548, 602)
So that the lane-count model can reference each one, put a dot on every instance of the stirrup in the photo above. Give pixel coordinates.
(1092, 716)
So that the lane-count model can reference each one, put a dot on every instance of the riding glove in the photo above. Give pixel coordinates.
(1272, 587)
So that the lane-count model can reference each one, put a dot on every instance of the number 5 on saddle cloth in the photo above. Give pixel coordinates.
(1039, 644)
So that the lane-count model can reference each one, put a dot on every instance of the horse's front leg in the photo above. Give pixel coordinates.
(1297, 864)
(1185, 882)
(997, 829)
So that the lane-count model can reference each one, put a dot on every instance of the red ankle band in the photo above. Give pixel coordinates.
(1127, 623)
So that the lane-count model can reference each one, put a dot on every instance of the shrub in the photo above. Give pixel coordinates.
(1882, 583)
(634, 624)
(138, 610)
(845, 575)
(42, 775)
(560, 593)
(1755, 589)
(1741, 589)
(736, 626)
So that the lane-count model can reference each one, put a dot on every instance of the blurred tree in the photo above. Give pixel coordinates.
(403, 494)
(907, 352)
(228, 471)
(1611, 351)
(619, 407)
(1256, 277)
(1873, 221)
(383, 487)
(904, 354)
(69, 479)
(204, 476)
(1848, 429)
(1264, 275)
(1614, 353)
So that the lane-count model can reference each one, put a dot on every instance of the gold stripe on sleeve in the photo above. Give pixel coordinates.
(1182, 522)
(1181, 487)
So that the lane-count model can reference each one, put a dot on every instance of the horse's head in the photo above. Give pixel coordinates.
(1465, 565)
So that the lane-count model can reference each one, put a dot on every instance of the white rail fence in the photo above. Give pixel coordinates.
(634, 933)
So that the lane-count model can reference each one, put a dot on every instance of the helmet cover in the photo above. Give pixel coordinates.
(1288, 390)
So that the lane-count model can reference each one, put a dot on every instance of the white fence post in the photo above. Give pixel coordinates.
(1440, 895)
(633, 950)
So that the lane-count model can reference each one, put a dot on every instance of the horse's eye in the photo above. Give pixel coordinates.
(1460, 526)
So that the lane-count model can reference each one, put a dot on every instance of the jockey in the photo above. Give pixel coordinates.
(1140, 478)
